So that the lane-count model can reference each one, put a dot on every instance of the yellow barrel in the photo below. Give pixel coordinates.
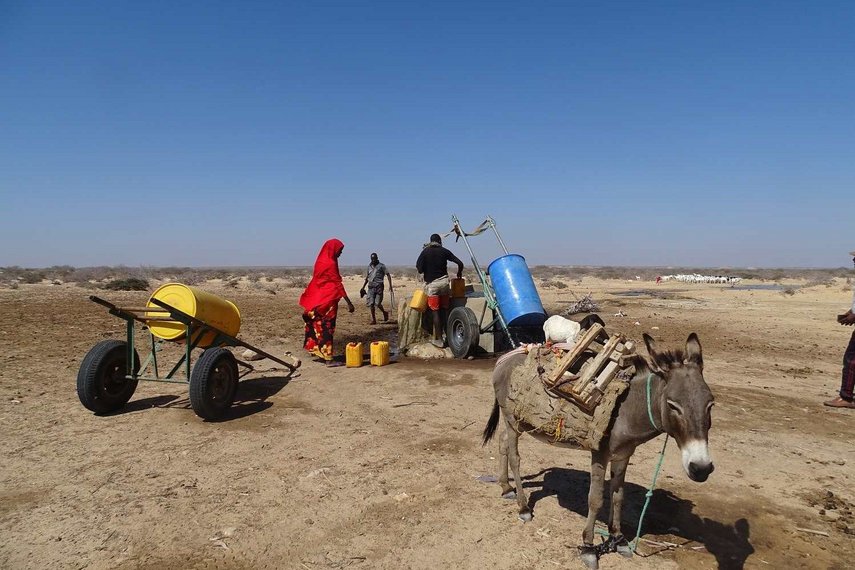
(353, 354)
(379, 353)
(215, 311)
(419, 301)
(458, 287)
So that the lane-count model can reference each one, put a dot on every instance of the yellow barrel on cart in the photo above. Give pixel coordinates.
(213, 310)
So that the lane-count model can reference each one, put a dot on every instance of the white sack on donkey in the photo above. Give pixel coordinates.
(558, 329)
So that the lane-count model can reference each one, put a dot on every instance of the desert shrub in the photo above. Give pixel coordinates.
(59, 272)
(789, 291)
(31, 276)
(191, 277)
(86, 274)
(127, 284)
(554, 284)
(298, 282)
(404, 272)
(233, 283)
(820, 282)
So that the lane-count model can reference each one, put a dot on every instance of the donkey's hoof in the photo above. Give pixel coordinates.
(510, 495)
(588, 555)
(621, 545)
(525, 517)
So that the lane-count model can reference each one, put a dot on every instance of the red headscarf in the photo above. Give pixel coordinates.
(325, 286)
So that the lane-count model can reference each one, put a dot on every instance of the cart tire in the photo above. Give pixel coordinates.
(213, 383)
(462, 332)
(101, 383)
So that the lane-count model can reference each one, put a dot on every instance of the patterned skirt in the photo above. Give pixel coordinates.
(320, 327)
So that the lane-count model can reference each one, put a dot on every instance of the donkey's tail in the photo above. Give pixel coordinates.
(490, 428)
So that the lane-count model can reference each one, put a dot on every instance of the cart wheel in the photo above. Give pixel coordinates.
(213, 383)
(101, 383)
(462, 332)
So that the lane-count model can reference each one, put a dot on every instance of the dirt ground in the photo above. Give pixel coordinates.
(378, 467)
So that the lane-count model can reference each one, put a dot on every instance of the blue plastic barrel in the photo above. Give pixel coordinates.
(516, 294)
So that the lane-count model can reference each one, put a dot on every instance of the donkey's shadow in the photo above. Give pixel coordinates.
(667, 514)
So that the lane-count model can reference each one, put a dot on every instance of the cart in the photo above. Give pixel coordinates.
(110, 371)
(464, 328)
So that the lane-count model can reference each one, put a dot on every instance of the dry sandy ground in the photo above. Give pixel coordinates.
(377, 467)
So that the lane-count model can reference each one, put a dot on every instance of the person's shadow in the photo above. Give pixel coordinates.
(667, 514)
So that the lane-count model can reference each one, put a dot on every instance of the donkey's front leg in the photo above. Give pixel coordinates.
(514, 460)
(588, 552)
(616, 538)
(507, 490)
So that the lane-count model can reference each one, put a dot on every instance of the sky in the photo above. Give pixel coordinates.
(595, 133)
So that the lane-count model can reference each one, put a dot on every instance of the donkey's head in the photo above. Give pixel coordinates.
(687, 403)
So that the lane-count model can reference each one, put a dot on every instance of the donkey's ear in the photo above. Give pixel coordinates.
(653, 357)
(693, 350)
(650, 344)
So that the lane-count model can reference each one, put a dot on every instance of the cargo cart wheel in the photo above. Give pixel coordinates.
(213, 383)
(101, 383)
(462, 332)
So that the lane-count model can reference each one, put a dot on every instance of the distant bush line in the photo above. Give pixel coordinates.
(550, 276)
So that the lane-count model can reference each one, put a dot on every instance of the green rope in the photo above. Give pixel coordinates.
(633, 545)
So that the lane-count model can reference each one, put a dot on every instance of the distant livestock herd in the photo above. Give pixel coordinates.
(695, 278)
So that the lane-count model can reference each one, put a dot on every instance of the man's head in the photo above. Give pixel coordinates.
(434, 238)
(852, 253)
(374, 259)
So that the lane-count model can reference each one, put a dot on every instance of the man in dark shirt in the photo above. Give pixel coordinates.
(433, 266)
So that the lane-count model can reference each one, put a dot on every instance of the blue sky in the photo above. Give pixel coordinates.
(604, 133)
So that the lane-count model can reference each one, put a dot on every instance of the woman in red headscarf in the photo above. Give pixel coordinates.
(320, 301)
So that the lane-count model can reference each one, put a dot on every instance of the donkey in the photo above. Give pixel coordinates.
(680, 405)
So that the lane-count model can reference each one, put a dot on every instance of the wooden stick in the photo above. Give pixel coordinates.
(577, 350)
(818, 532)
(594, 366)
(600, 383)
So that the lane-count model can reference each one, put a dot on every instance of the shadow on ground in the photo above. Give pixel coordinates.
(251, 398)
(667, 514)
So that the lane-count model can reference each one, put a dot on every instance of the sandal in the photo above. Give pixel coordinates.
(839, 402)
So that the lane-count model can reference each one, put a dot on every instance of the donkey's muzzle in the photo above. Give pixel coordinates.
(700, 471)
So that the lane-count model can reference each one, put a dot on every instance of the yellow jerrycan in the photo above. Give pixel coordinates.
(458, 287)
(419, 301)
(379, 353)
(353, 354)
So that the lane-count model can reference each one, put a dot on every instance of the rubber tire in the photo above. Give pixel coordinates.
(213, 383)
(462, 332)
(101, 365)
